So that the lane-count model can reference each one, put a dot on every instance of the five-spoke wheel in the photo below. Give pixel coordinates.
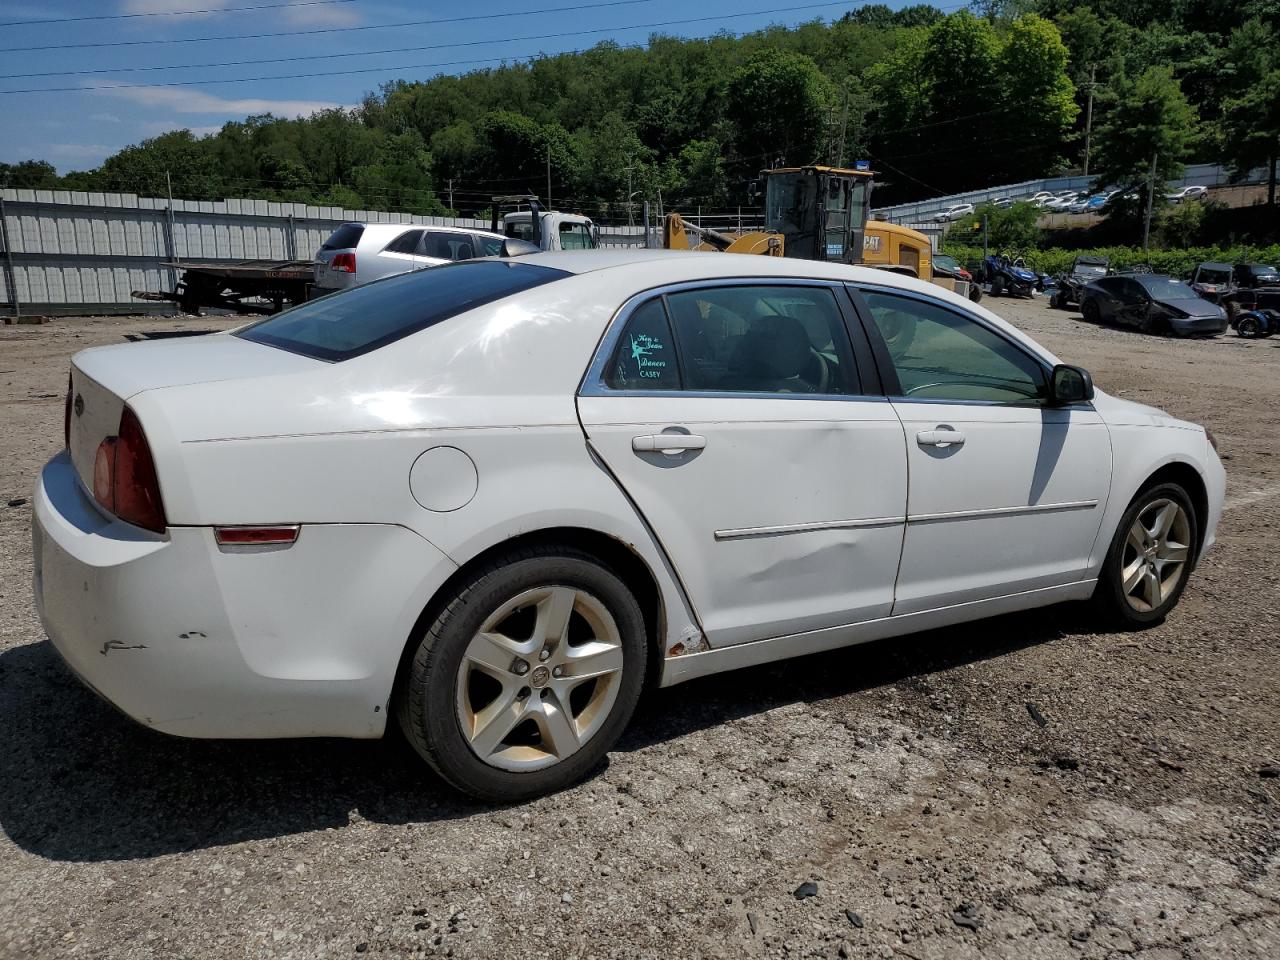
(1150, 557)
(526, 678)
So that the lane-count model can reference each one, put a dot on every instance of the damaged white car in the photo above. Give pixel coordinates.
(496, 499)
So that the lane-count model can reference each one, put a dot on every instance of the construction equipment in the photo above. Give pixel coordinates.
(819, 213)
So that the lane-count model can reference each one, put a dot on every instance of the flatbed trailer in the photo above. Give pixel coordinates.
(249, 286)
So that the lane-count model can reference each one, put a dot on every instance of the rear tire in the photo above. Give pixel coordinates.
(1089, 309)
(1150, 559)
(503, 697)
(1249, 328)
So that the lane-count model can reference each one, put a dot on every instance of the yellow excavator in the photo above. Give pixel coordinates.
(819, 213)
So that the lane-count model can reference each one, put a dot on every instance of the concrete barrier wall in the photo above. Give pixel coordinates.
(65, 252)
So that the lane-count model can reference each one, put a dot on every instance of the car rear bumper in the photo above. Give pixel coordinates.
(1198, 326)
(194, 640)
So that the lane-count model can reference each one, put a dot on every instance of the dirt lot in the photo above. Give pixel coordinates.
(907, 779)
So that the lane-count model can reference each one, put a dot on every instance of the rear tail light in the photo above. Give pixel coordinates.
(343, 263)
(124, 476)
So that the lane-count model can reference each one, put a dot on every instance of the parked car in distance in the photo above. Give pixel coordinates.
(1152, 303)
(1041, 198)
(953, 212)
(492, 500)
(1069, 285)
(1001, 202)
(1251, 275)
(1211, 280)
(1062, 201)
(357, 253)
(1187, 193)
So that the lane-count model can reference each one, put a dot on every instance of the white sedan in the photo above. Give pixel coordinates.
(1187, 193)
(498, 498)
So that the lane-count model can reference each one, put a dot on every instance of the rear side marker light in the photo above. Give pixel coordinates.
(255, 536)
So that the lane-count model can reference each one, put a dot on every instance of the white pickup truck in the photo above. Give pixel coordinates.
(545, 229)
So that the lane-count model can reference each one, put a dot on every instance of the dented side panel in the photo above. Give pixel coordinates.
(790, 517)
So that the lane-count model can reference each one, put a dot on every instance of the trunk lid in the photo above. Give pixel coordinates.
(104, 378)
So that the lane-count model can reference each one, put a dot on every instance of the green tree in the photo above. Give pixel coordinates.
(29, 175)
(778, 103)
(1250, 126)
(1147, 119)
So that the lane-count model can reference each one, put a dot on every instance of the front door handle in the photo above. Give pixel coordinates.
(672, 444)
(940, 438)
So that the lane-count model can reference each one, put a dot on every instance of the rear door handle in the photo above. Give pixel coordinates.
(672, 444)
(940, 438)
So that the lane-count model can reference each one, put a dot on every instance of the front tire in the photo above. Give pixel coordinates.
(1089, 309)
(524, 680)
(1249, 328)
(1150, 558)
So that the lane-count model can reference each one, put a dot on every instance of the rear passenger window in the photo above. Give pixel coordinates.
(448, 246)
(645, 358)
(763, 339)
(407, 242)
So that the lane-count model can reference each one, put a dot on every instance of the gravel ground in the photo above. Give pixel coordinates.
(908, 781)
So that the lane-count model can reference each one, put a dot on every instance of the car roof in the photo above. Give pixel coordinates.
(374, 230)
(1213, 266)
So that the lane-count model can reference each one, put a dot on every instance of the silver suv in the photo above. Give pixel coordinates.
(356, 253)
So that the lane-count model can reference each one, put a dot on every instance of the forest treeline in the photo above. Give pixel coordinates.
(937, 102)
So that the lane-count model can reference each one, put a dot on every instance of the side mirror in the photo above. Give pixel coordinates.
(515, 247)
(1070, 384)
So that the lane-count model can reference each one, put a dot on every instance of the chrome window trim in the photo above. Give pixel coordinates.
(744, 533)
(593, 384)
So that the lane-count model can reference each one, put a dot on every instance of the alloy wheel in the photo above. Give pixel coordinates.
(1156, 551)
(539, 678)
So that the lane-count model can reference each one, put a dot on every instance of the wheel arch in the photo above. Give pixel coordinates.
(611, 550)
(1185, 475)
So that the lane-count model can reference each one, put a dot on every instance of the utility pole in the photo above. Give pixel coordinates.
(548, 176)
(630, 206)
(1088, 117)
(1151, 194)
(451, 193)
(844, 127)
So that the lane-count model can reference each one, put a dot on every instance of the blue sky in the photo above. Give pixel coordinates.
(76, 129)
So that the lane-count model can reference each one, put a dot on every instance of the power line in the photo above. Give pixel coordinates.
(428, 66)
(323, 30)
(173, 13)
(435, 46)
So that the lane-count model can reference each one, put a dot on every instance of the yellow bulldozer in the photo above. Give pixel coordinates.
(819, 213)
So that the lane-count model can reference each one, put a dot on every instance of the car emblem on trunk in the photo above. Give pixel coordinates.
(79, 405)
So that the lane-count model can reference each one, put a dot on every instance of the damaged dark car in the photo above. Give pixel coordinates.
(1071, 284)
(1152, 303)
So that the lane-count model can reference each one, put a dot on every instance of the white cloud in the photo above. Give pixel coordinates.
(105, 118)
(337, 15)
(196, 101)
(94, 151)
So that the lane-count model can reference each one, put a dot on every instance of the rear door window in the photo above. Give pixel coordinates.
(407, 242)
(371, 316)
(445, 245)
(346, 237)
(645, 358)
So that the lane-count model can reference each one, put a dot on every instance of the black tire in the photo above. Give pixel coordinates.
(1056, 301)
(1109, 597)
(1089, 309)
(426, 704)
(1249, 328)
(975, 292)
(997, 287)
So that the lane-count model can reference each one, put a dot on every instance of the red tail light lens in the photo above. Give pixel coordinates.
(124, 477)
(343, 262)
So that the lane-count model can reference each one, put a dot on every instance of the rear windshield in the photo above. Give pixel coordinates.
(345, 237)
(347, 324)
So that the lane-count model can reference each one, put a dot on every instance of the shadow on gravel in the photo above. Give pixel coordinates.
(80, 782)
